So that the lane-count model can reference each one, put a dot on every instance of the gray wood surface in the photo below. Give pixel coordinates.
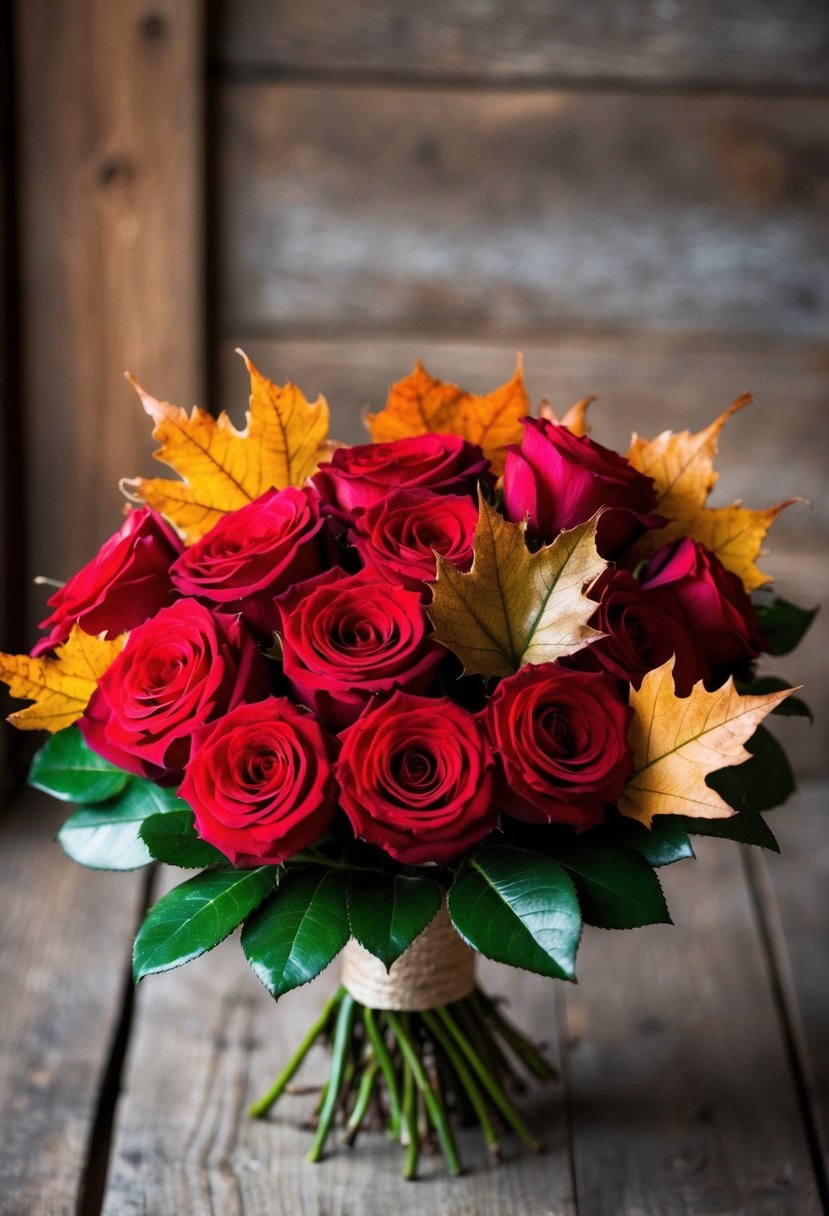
(694, 43)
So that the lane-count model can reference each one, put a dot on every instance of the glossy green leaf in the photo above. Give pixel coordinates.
(172, 838)
(107, 835)
(761, 783)
(300, 930)
(747, 827)
(67, 769)
(665, 842)
(617, 888)
(792, 707)
(782, 624)
(194, 917)
(387, 912)
(518, 908)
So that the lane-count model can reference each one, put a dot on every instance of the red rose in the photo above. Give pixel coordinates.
(397, 536)
(346, 638)
(560, 480)
(181, 669)
(688, 582)
(260, 782)
(123, 586)
(253, 554)
(560, 739)
(358, 476)
(415, 778)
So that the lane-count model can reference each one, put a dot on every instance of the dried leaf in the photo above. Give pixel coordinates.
(420, 404)
(575, 419)
(678, 741)
(60, 686)
(223, 468)
(736, 534)
(515, 607)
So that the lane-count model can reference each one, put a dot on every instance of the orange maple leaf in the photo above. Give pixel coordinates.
(575, 419)
(59, 686)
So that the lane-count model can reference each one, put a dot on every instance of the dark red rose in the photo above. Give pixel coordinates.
(260, 782)
(398, 536)
(415, 777)
(560, 740)
(358, 476)
(347, 638)
(559, 480)
(253, 554)
(686, 581)
(181, 669)
(124, 585)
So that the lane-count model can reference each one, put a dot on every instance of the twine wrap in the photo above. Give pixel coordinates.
(437, 968)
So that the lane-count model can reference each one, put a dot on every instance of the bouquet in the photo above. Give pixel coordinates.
(456, 691)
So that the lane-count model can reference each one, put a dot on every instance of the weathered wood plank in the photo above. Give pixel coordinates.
(65, 937)
(110, 137)
(687, 43)
(682, 1101)
(354, 210)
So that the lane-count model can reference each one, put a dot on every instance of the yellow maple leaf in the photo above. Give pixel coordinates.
(515, 607)
(223, 468)
(60, 686)
(575, 419)
(678, 741)
(420, 404)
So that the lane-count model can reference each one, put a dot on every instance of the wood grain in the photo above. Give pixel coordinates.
(355, 211)
(65, 937)
(110, 136)
(691, 43)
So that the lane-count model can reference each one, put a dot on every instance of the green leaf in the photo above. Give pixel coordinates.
(67, 769)
(300, 931)
(387, 912)
(792, 707)
(747, 827)
(518, 908)
(763, 782)
(172, 838)
(782, 624)
(665, 842)
(617, 888)
(194, 917)
(107, 836)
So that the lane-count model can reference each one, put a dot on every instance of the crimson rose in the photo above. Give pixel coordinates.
(397, 536)
(260, 782)
(560, 739)
(560, 480)
(346, 638)
(181, 669)
(415, 777)
(124, 584)
(253, 554)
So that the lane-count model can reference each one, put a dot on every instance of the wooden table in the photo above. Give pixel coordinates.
(695, 1059)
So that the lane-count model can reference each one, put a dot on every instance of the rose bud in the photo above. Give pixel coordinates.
(397, 536)
(559, 480)
(347, 638)
(415, 777)
(687, 581)
(181, 669)
(124, 585)
(560, 742)
(358, 476)
(252, 554)
(260, 782)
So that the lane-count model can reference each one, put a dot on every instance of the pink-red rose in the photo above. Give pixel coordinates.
(415, 777)
(560, 740)
(253, 554)
(348, 638)
(559, 480)
(260, 782)
(357, 476)
(125, 583)
(178, 671)
(397, 536)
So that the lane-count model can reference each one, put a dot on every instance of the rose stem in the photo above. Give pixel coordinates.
(409, 1123)
(529, 1055)
(480, 1034)
(492, 1088)
(433, 1107)
(339, 1053)
(381, 1051)
(361, 1104)
(260, 1108)
(466, 1080)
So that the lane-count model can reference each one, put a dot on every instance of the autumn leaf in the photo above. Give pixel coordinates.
(678, 741)
(575, 419)
(60, 686)
(223, 468)
(420, 404)
(515, 607)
